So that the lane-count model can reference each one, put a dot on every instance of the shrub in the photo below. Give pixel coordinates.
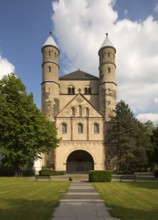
(28, 172)
(6, 171)
(50, 172)
(100, 175)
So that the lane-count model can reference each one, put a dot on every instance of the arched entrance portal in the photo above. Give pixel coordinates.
(79, 161)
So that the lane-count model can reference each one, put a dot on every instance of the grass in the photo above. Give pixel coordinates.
(25, 199)
(130, 200)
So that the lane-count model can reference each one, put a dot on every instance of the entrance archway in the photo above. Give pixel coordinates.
(79, 161)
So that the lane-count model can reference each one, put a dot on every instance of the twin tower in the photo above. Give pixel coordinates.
(80, 104)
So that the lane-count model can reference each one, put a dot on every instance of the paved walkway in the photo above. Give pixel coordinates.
(82, 202)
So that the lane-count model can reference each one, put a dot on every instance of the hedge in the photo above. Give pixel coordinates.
(6, 171)
(100, 175)
(49, 172)
(10, 172)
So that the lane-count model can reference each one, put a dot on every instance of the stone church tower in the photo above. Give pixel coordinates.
(107, 79)
(80, 104)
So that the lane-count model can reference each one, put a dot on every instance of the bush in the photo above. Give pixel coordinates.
(49, 172)
(6, 171)
(29, 172)
(100, 175)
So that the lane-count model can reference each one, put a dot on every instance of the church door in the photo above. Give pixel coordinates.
(79, 161)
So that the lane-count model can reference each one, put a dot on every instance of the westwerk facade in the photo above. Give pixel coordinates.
(80, 104)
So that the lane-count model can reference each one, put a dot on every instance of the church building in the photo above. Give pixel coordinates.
(81, 105)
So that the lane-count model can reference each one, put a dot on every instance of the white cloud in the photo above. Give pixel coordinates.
(5, 67)
(156, 8)
(148, 117)
(125, 12)
(80, 28)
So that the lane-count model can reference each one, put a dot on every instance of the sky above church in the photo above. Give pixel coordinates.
(79, 28)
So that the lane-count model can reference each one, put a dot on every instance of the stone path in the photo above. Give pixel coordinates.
(82, 202)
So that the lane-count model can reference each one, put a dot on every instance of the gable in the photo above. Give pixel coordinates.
(81, 107)
(78, 75)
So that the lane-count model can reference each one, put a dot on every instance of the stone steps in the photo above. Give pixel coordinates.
(82, 202)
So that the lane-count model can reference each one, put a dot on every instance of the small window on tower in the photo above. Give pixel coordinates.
(49, 53)
(109, 70)
(108, 54)
(49, 68)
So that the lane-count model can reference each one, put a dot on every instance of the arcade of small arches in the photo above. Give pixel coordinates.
(79, 111)
(71, 90)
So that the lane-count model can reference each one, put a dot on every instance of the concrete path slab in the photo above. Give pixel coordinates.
(82, 202)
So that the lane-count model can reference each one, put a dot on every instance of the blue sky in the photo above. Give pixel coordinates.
(137, 9)
(79, 29)
(24, 26)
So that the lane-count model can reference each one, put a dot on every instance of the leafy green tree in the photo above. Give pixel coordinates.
(25, 132)
(153, 155)
(143, 144)
(127, 140)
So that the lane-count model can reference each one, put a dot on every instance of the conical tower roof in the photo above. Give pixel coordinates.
(107, 43)
(50, 41)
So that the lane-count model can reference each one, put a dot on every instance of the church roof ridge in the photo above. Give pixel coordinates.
(78, 75)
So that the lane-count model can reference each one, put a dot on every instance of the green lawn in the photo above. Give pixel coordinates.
(26, 199)
(131, 200)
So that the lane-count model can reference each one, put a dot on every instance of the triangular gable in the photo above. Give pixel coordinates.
(78, 75)
(79, 100)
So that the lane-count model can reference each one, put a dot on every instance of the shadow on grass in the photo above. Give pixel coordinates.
(23, 209)
(143, 184)
(133, 214)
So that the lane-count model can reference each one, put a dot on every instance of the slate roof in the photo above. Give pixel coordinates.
(78, 75)
(50, 41)
(107, 42)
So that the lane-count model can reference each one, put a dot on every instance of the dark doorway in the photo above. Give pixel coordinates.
(79, 161)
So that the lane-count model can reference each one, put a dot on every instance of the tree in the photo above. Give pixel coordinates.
(25, 132)
(143, 144)
(153, 154)
(127, 141)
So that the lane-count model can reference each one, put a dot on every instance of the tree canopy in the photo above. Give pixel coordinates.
(128, 140)
(153, 155)
(25, 132)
